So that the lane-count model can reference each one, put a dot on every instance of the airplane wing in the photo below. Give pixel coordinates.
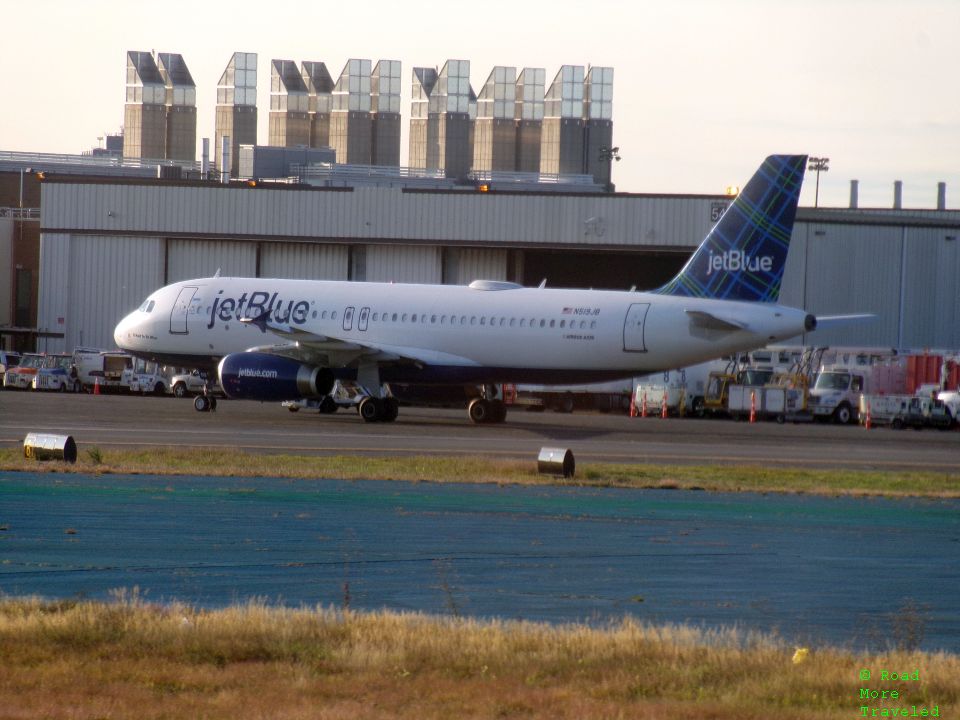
(336, 352)
(713, 321)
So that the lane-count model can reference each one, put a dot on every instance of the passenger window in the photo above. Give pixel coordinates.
(473, 320)
(583, 324)
(542, 323)
(314, 314)
(333, 315)
(483, 320)
(394, 317)
(433, 318)
(374, 317)
(413, 318)
(563, 324)
(512, 321)
(523, 322)
(323, 315)
(404, 317)
(553, 323)
(593, 325)
(463, 319)
(423, 318)
(443, 319)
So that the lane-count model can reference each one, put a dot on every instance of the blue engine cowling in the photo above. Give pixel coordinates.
(262, 376)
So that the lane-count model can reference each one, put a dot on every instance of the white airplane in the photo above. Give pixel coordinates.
(274, 339)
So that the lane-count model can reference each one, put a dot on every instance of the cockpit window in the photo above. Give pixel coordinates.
(147, 306)
(151, 305)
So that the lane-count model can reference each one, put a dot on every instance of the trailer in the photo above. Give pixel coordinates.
(782, 398)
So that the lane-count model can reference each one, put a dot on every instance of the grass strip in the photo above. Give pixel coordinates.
(720, 478)
(130, 659)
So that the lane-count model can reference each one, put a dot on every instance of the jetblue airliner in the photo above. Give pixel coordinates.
(274, 340)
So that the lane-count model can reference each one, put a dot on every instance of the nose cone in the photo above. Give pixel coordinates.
(122, 333)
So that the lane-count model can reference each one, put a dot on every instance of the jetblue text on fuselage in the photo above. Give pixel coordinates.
(737, 260)
(258, 302)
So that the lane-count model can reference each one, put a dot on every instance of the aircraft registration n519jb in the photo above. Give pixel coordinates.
(280, 339)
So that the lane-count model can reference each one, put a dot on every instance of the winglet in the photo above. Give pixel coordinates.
(743, 256)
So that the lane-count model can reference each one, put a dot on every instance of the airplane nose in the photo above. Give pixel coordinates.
(121, 332)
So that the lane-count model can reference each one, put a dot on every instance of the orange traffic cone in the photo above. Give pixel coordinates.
(96, 386)
(753, 406)
(867, 420)
(643, 406)
(663, 406)
(633, 406)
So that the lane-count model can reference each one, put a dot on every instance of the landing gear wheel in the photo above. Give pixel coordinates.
(565, 404)
(201, 403)
(391, 408)
(371, 409)
(328, 405)
(479, 410)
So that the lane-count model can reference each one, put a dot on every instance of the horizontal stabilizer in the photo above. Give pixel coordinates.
(829, 321)
(712, 321)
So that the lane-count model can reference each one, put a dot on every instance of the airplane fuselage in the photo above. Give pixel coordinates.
(484, 333)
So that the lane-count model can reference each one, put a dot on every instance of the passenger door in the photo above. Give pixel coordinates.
(633, 325)
(180, 311)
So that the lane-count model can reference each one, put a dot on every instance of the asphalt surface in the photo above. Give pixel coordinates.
(133, 421)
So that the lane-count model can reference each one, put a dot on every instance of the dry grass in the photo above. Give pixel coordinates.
(131, 660)
(223, 462)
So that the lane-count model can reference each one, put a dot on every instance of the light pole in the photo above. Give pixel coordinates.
(609, 155)
(817, 164)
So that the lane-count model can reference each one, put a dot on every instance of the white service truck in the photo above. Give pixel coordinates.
(836, 393)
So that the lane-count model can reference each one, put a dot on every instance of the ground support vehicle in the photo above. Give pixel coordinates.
(783, 398)
(7, 360)
(923, 412)
(836, 392)
(21, 376)
(684, 389)
(55, 374)
(111, 370)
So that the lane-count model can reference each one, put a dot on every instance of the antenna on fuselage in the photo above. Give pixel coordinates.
(217, 273)
(543, 284)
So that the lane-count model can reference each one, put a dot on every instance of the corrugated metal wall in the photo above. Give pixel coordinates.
(464, 265)
(88, 283)
(381, 213)
(189, 259)
(304, 261)
(397, 263)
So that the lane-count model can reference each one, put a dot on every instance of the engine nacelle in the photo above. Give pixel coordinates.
(262, 376)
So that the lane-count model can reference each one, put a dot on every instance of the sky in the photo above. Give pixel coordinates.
(703, 89)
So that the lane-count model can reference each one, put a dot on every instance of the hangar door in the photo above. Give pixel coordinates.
(189, 259)
(303, 261)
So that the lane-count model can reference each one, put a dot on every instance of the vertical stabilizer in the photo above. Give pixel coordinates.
(743, 256)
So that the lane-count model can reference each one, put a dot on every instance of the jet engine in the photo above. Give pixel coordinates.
(266, 377)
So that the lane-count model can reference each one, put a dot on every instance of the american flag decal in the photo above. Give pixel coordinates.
(567, 311)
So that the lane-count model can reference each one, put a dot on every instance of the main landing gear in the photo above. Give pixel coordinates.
(374, 409)
(482, 411)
